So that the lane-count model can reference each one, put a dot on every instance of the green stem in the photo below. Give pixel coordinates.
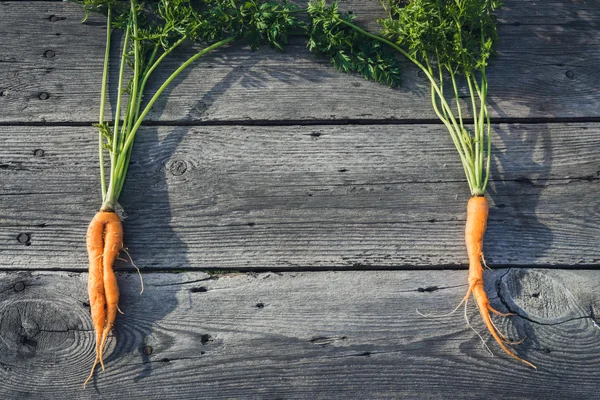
(489, 150)
(454, 137)
(144, 79)
(103, 101)
(110, 199)
(441, 80)
(484, 88)
(151, 68)
(456, 96)
(136, 67)
(476, 133)
(481, 131)
(475, 189)
(121, 165)
(453, 128)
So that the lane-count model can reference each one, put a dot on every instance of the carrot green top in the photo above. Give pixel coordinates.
(445, 39)
(153, 29)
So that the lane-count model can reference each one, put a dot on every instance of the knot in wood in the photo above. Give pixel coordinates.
(178, 167)
(539, 296)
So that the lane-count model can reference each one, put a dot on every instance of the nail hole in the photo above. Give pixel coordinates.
(260, 305)
(54, 18)
(201, 289)
(44, 96)
(24, 238)
(251, 223)
(342, 170)
(432, 220)
(205, 338)
(535, 295)
(49, 53)
(165, 360)
(570, 74)
(38, 153)
(147, 350)
(19, 286)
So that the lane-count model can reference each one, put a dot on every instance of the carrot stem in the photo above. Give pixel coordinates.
(103, 101)
(122, 164)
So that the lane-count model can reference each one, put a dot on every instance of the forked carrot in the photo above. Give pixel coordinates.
(104, 242)
(445, 40)
(153, 30)
(477, 216)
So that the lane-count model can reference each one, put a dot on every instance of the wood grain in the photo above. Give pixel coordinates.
(323, 335)
(51, 70)
(295, 197)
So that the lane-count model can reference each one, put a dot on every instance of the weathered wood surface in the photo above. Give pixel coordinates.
(322, 335)
(296, 197)
(51, 68)
(291, 197)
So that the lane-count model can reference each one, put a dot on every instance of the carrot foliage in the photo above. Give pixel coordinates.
(448, 40)
(349, 50)
(152, 30)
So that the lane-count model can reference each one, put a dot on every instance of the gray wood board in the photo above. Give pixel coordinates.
(239, 197)
(52, 64)
(322, 335)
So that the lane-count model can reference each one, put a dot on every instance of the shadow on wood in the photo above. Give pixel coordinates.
(522, 220)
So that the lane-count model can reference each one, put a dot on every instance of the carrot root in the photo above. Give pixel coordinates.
(104, 242)
(477, 215)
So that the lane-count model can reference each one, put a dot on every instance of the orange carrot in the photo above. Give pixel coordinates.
(104, 242)
(477, 215)
(150, 34)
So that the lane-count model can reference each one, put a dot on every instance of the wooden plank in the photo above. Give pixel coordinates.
(303, 197)
(51, 69)
(321, 335)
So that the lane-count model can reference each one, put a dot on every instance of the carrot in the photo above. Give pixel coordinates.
(104, 242)
(152, 30)
(444, 40)
(477, 215)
